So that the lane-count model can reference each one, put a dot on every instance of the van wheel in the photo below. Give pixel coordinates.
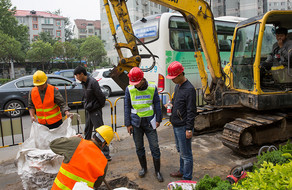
(14, 104)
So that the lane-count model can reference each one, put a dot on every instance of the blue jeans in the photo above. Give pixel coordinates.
(184, 147)
(151, 134)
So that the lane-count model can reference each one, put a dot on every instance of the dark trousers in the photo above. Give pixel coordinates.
(93, 121)
(55, 125)
(151, 134)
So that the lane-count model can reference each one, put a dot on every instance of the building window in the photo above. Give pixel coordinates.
(48, 21)
(82, 30)
(20, 20)
(58, 33)
(58, 22)
(282, 3)
(35, 26)
(35, 37)
(34, 19)
(49, 31)
(89, 24)
(90, 31)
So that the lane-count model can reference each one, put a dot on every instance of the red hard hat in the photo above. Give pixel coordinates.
(174, 69)
(135, 76)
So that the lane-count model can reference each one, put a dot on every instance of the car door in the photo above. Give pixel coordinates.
(71, 91)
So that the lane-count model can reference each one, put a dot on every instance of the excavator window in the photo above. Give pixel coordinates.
(244, 56)
(274, 73)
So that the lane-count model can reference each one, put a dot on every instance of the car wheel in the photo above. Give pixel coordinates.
(107, 91)
(14, 104)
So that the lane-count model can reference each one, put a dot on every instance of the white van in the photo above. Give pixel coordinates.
(169, 38)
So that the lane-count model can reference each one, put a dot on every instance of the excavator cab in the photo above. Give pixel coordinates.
(263, 83)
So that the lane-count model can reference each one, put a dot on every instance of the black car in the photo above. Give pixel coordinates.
(14, 94)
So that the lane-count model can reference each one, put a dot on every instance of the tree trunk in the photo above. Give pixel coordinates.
(12, 73)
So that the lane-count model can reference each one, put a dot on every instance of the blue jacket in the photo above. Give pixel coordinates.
(184, 108)
(134, 119)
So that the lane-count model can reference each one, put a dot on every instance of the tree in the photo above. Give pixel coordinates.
(65, 51)
(68, 31)
(93, 50)
(46, 37)
(9, 24)
(40, 52)
(77, 43)
(10, 51)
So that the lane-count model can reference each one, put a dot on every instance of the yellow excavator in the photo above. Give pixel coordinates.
(250, 102)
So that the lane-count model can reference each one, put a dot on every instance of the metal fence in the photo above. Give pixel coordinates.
(12, 131)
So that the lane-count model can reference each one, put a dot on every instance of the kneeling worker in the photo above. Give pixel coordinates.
(46, 102)
(83, 159)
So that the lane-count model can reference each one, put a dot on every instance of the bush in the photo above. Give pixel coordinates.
(270, 176)
(208, 183)
(3, 81)
(280, 156)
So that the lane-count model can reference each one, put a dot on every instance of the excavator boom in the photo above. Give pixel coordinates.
(200, 18)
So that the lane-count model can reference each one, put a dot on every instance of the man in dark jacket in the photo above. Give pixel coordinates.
(94, 102)
(183, 118)
(142, 116)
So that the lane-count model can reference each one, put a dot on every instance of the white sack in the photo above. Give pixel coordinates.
(37, 164)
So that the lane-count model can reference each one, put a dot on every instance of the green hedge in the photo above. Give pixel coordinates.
(3, 81)
(268, 177)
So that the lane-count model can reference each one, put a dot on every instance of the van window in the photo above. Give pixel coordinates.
(106, 74)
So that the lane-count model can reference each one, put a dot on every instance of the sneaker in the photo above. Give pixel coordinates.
(176, 174)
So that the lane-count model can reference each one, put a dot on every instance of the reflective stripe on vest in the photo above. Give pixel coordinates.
(142, 101)
(47, 111)
(86, 165)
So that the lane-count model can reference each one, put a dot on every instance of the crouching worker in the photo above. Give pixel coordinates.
(83, 159)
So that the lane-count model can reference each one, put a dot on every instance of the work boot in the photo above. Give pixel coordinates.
(143, 164)
(157, 169)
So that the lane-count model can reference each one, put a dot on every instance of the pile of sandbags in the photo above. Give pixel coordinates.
(37, 164)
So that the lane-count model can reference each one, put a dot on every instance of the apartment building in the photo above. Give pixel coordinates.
(247, 8)
(40, 21)
(279, 5)
(137, 10)
(84, 28)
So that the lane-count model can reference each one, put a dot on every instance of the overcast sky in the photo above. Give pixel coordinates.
(81, 9)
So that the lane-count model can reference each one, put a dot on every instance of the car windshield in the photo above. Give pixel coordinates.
(68, 74)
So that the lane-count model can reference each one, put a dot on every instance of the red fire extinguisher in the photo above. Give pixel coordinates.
(168, 108)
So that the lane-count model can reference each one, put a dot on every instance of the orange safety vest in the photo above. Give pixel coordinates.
(48, 112)
(86, 165)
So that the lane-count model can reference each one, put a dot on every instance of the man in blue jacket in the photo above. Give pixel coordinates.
(182, 118)
(142, 116)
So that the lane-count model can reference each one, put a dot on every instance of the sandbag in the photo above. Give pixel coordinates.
(183, 184)
(37, 165)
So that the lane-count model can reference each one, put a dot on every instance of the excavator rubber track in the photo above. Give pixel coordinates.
(246, 135)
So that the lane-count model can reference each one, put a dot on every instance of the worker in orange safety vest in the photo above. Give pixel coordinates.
(83, 159)
(46, 102)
